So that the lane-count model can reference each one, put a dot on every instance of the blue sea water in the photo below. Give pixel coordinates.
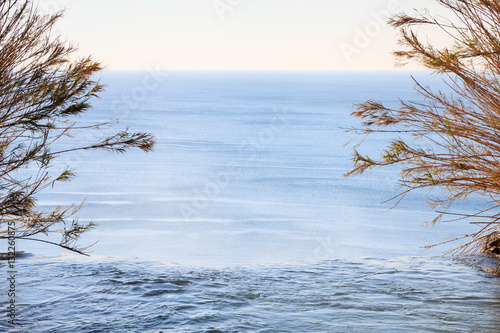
(241, 219)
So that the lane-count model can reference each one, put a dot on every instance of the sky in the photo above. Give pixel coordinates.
(234, 34)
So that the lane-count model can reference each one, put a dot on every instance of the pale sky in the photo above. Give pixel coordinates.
(234, 34)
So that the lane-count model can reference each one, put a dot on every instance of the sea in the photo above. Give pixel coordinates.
(241, 219)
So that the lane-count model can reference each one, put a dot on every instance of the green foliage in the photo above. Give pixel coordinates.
(41, 89)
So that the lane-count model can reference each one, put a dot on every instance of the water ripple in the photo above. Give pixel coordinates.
(414, 294)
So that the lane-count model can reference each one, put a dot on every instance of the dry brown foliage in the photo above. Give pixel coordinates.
(455, 138)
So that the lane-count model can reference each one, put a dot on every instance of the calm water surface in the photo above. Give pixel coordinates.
(241, 221)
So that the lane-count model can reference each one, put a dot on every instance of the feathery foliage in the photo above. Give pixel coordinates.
(462, 129)
(41, 90)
